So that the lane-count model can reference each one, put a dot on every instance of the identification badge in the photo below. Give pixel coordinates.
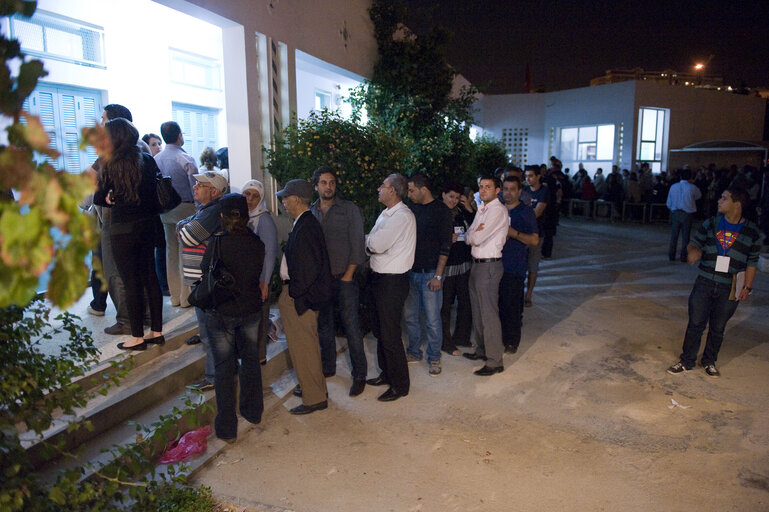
(460, 230)
(722, 263)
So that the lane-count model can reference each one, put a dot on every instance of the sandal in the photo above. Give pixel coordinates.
(455, 352)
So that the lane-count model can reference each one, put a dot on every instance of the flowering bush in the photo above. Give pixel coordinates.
(362, 156)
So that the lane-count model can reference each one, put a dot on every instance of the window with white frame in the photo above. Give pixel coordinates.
(64, 112)
(57, 37)
(199, 126)
(651, 137)
(587, 144)
(322, 99)
(195, 70)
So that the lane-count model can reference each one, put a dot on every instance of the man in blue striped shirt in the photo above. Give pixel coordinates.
(682, 203)
(727, 248)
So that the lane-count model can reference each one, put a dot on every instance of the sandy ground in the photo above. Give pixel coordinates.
(582, 419)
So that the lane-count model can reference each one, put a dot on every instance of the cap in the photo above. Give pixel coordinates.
(300, 188)
(234, 205)
(215, 178)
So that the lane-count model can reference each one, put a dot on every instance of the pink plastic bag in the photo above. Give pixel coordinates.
(191, 443)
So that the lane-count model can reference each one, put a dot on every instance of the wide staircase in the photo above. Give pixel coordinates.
(155, 385)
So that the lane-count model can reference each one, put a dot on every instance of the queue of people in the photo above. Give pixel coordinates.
(419, 258)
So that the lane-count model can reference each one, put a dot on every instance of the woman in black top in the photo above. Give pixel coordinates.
(127, 184)
(234, 325)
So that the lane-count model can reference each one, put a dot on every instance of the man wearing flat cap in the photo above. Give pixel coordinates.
(307, 282)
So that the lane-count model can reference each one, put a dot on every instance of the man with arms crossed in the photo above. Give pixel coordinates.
(486, 236)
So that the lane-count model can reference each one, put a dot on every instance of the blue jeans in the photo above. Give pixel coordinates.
(709, 306)
(680, 221)
(347, 296)
(234, 338)
(205, 338)
(422, 299)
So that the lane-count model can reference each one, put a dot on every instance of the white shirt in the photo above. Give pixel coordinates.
(488, 242)
(392, 240)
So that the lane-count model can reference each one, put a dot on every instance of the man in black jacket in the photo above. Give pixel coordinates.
(307, 281)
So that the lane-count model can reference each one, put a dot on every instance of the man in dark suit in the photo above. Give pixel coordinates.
(307, 281)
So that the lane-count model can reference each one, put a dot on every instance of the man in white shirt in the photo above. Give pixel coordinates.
(487, 236)
(391, 244)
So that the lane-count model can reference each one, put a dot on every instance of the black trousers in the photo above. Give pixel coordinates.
(134, 252)
(456, 287)
(511, 294)
(390, 292)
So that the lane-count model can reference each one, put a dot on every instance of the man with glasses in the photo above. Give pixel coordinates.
(391, 244)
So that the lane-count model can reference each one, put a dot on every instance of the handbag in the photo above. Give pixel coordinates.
(168, 198)
(217, 285)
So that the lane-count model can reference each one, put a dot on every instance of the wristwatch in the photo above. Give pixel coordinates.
(437, 277)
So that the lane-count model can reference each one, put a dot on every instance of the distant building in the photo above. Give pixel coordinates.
(668, 76)
(623, 124)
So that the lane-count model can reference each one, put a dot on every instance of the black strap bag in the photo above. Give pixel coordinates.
(217, 285)
(168, 198)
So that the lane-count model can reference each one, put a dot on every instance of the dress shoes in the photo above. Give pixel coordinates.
(510, 349)
(357, 387)
(390, 395)
(138, 346)
(377, 381)
(157, 340)
(488, 370)
(473, 356)
(192, 340)
(297, 391)
(307, 409)
(118, 328)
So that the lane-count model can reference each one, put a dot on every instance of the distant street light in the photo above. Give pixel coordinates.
(699, 66)
(698, 71)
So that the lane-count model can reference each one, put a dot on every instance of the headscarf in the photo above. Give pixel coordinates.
(261, 208)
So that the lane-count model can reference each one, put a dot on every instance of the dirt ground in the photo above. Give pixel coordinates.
(584, 417)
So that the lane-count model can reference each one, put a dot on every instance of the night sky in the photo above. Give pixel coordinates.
(567, 43)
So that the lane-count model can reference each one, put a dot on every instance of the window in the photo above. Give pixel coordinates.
(586, 144)
(64, 111)
(57, 37)
(651, 137)
(322, 100)
(195, 70)
(199, 127)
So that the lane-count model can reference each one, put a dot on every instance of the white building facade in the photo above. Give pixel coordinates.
(621, 124)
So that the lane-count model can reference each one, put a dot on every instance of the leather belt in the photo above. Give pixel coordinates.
(485, 260)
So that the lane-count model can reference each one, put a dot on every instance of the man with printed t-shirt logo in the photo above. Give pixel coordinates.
(727, 247)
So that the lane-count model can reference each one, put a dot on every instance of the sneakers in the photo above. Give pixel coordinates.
(411, 359)
(95, 312)
(203, 385)
(435, 368)
(677, 368)
(118, 328)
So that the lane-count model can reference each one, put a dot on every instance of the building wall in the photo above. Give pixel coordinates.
(339, 32)
(698, 115)
(500, 112)
(605, 104)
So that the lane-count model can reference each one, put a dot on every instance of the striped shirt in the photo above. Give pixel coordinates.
(194, 233)
(742, 254)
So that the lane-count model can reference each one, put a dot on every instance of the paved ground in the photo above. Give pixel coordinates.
(583, 418)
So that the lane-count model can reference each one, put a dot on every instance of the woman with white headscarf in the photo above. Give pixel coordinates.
(261, 222)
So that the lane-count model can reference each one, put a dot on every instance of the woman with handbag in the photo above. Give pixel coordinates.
(234, 259)
(128, 185)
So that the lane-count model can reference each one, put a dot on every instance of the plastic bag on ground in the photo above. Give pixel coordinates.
(191, 443)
